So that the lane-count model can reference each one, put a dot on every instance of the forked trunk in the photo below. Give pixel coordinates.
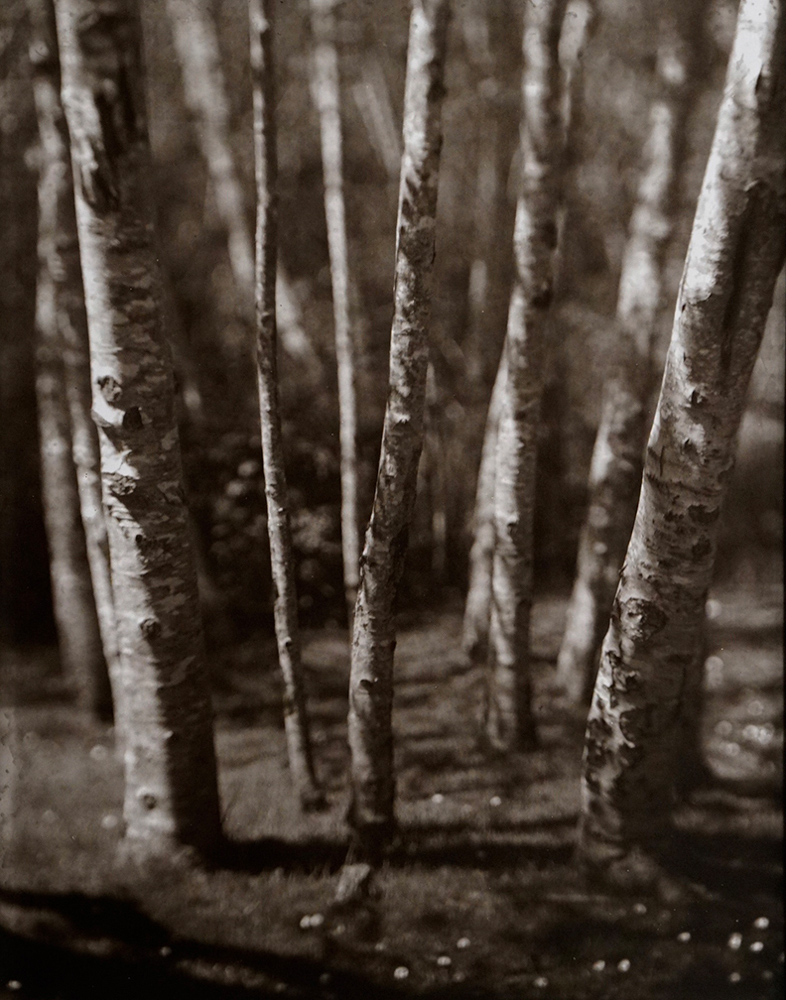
(171, 794)
(615, 473)
(650, 651)
(279, 531)
(510, 722)
(69, 363)
(327, 97)
(374, 635)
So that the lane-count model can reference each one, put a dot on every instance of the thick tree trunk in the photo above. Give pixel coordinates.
(477, 610)
(279, 531)
(510, 723)
(327, 97)
(650, 651)
(171, 795)
(67, 343)
(204, 87)
(374, 636)
(615, 473)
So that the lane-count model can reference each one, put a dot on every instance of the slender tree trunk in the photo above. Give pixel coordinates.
(374, 636)
(649, 653)
(615, 473)
(477, 611)
(61, 276)
(281, 558)
(510, 723)
(204, 86)
(171, 795)
(327, 97)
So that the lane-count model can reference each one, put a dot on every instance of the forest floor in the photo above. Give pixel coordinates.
(479, 898)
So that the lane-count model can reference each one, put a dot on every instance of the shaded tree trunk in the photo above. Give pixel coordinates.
(65, 344)
(615, 473)
(510, 723)
(171, 794)
(204, 86)
(279, 531)
(327, 97)
(650, 650)
(374, 636)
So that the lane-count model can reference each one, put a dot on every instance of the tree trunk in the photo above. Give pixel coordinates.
(615, 472)
(327, 97)
(477, 610)
(279, 532)
(649, 653)
(510, 723)
(196, 43)
(374, 638)
(67, 343)
(171, 795)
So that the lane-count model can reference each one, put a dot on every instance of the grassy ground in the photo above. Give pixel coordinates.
(478, 898)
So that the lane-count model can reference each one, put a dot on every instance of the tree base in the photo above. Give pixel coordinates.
(639, 870)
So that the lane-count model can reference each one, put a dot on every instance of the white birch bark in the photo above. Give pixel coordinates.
(736, 250)
(615, 472)
(281, 557)
(61, 274)
(171, 794)
(374, 635)
(204, 87)
(510, 723)
(325, 86)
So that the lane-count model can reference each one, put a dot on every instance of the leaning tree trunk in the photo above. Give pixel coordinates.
(615, 472)
(510, 723)
(327, 97)
(279, 531)
(649, 653)
(171, 794)
(61, 277)
(196, 42)
(374, 634)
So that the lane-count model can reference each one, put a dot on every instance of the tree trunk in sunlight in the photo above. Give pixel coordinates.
(651, 649)
(171, 794)
(374, 635)
(278, 525)
(196, 43)
(325, 86)
(615, 473)
(510, 723)
(65, 346)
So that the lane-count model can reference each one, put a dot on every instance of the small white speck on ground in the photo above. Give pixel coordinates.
(14, 984)
(380, 946)
(110, 821)
(99, 753)
(639, 908)
(623, 965)
(757, 946)
(165, 951)
(684, 936)
(463, 942)
(444, 961)
(495, 801)
(540, 982)
(761, 923)
(598, 966)
(735, 941)
(401, 972)
(735, 977)
(437, 797)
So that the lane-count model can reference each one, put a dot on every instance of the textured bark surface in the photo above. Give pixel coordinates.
(278, 525)
(374, 637)
(196, 42)
(477, 609)
(615, 472)
(67, 345)
(326, 89)
(171, 794)
(510, 723)
(650, 650)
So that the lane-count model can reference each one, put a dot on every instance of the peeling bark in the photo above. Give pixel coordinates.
(374, 637)
(65, 345)
(650, 650)
(279, 531)
(327, 97)
(171, 794)
(204, 86)
(510, 723)
(615, 472)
